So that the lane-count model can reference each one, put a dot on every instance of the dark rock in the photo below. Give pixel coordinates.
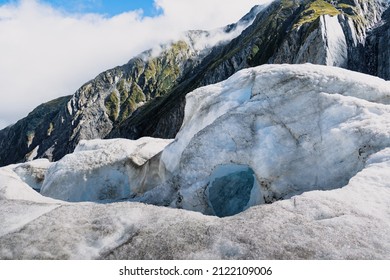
(375, 54)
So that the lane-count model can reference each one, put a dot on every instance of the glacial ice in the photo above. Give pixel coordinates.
(22, 181)
(313, 140)
(33, 172)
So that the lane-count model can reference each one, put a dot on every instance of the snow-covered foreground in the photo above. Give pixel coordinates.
(348, 223)
(312, 140)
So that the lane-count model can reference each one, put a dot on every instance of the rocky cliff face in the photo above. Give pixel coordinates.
(146, 97)
(375, 53)
(99, 104)
(329, 33)
(21, 141)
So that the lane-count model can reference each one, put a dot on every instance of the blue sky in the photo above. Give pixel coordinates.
(105, 7)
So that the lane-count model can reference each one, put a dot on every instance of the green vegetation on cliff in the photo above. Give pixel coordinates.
(149, 77)
(112, 105)
(315, 9)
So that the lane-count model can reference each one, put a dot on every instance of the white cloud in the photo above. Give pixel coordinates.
(46, 53)
(206, 14)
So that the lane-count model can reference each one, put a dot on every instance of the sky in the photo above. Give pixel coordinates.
(106, 7)
(49, 48)
(103, 7)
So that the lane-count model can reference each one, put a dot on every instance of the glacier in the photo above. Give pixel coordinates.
(277, 162)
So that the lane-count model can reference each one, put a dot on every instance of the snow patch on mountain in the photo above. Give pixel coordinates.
(334, 38)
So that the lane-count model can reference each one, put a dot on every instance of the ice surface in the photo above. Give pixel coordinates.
(21, 217)
(232, 189)
(205, 105)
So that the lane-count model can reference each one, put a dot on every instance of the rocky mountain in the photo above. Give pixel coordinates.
(146, 97)
(108, 99)
(111, 97)
(287, 161)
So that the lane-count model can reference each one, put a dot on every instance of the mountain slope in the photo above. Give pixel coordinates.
(21, 141)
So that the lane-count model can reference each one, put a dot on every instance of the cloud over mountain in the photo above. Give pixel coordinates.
(46, 52)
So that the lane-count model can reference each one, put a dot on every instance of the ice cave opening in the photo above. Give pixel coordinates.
(232, 189)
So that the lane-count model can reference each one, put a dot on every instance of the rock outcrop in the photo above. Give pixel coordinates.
(21, 141)
(375, 53)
